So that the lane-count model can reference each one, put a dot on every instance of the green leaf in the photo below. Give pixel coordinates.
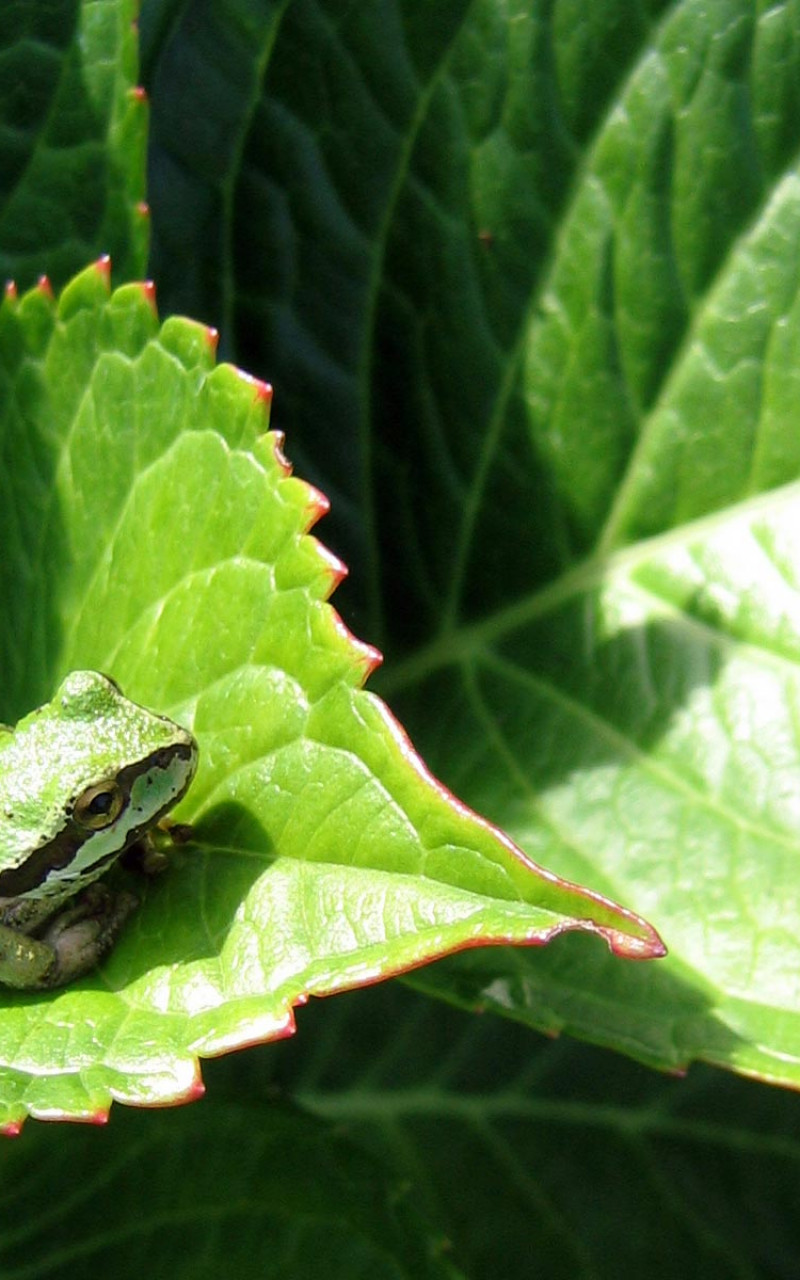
(526, 278)
(152, 531)
(523, 275)
(441, 1137)
(73, 132)
(301, 1193)
(547, 1157)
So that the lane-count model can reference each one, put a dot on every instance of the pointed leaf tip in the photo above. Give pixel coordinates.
(283, 462)
(261, 389)
(629, 947)
(103, 268)
(317, 506)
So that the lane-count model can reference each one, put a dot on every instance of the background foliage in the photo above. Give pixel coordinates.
(525, 280)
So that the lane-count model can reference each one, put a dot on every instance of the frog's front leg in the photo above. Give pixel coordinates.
(71, 944)
(150, 855)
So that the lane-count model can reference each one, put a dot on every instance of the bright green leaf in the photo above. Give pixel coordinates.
(152, 531)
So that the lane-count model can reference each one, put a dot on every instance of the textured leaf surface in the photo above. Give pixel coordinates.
(72, 139)
(186, 1200)
(523, 276)
(553, 1158)
(526, 275)
(150, 530)
(449, 1139)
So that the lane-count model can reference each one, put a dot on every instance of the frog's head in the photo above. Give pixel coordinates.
(81, 780)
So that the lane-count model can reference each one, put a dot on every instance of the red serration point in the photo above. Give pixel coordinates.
(11, 1130)
(11, 289)
(44, 286)
(261, 390)
(212, 338)
(196, 1089)
(149, 291)
(335, 569)
(370, 659)
(142, 208)
(277, 452)
(99, 1117)
(139, 93)
(622, 944)
(366, 656)
(337, 572)
(103, 268)
(317, 506)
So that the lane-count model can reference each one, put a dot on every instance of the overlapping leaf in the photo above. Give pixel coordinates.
(300, 1191)
(558, 328)
(72, 139)
(551, 1155)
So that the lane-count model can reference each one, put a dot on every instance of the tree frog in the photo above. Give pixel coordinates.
(82, 779)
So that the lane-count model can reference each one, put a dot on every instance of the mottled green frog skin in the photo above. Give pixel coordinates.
(82, 779)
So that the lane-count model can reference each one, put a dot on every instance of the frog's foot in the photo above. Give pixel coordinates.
(149, 856)
(178, 832)
(78, 937)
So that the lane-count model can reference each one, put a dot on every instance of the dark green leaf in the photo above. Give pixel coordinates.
(550, 1158)
(525, 277)
(229, 1191)
(72, 139)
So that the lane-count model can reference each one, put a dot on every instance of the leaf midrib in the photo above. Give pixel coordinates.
(466, 641)
(379, 1105)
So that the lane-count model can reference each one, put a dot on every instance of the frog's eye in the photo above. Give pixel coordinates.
(99, 805)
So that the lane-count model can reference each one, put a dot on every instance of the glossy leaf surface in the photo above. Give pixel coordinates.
(152, 530)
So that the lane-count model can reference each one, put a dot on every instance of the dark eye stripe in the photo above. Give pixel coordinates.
(58, 852)
(64, 846)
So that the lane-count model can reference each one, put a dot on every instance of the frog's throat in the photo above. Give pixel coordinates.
(75, 857)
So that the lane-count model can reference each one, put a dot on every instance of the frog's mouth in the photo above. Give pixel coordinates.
(150, 787)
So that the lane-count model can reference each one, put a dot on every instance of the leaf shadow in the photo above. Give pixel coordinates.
(186, 914)
(647, 1010)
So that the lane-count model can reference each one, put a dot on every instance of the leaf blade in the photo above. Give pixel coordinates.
(171, 546)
